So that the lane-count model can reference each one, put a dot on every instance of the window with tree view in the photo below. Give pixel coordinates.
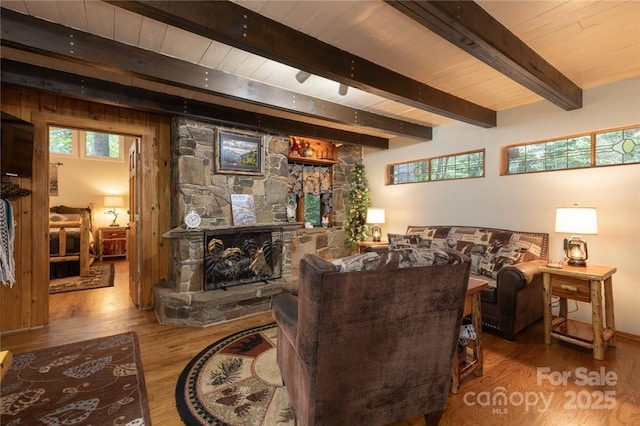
(457, 166)
(86, 144)
(608, 148)
(61, 141)
(103, 145)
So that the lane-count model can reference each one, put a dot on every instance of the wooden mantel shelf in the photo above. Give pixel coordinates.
(305, 160)
(320, 152)
(182, 231)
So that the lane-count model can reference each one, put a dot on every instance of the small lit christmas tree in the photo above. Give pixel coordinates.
(356, 228)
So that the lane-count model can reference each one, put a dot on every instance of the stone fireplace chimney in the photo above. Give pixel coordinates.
(196, 186)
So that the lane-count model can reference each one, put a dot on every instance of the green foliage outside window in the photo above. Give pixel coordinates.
(95, 144)
(456, 166)
(60, 141)
(554, 155)
(415, 171)
(460, 166)
(312, 209)
(608, 148)
(618, 147)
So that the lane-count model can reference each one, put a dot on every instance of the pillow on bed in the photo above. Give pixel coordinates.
(55, 217)
(72, 214)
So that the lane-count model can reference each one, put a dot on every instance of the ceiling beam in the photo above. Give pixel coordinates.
(234, 25)
(28, 33)
(469, 27)
(91, 89)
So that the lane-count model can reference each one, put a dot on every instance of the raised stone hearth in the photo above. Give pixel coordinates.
(196, 186)
(184, 302)
(202, 308)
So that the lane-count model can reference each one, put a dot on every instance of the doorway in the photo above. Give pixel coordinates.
(27, 304)
(90, 225)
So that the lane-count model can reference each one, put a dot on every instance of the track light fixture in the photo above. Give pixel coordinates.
(302, 76)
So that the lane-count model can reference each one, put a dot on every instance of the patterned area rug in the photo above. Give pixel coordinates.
(95, 382)
(100, 275)
(235, 382)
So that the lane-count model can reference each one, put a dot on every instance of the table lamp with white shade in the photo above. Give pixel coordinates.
(375, 217)
(576, 220)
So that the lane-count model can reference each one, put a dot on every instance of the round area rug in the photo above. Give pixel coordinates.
(235, 382)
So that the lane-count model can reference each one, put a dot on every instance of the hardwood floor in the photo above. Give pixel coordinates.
(514, 390)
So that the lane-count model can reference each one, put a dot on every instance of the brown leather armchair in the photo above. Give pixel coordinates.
(370, 347)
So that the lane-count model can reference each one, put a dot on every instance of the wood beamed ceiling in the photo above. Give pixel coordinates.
(467, 26)
(236, 26)
(88, 88)
(36, 35)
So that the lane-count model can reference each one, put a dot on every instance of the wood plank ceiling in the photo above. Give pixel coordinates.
(408, 65)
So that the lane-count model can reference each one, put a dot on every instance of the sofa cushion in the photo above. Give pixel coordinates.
(429, 232)
(358, 262)
(489, 249)
(400, 258)
(398, 241)
(410, 257)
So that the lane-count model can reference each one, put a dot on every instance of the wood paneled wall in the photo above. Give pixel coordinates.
(25, 305)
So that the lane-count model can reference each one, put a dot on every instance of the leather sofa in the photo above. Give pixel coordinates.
(369, 339)
(509, 260)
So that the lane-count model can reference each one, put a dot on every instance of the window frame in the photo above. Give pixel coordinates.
(75, 143)
(429, 160)
(83, 147)
(592, 135)
(79, 145)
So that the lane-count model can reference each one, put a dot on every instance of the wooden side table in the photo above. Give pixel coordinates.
(375, 245)
(473, 359)
(113, 242)
(583, 284)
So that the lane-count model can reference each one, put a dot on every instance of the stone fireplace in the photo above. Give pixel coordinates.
(185, 299)
(241, 255)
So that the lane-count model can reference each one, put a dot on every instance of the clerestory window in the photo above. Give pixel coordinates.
(85, 144)
(595, 149)
(463, 165)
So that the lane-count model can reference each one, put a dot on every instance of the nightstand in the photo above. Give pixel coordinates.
(113, 241)
(583, 284)
(374, 245)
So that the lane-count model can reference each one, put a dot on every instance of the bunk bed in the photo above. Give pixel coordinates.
(71, 240)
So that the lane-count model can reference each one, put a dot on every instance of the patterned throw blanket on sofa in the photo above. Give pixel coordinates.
(490, 249)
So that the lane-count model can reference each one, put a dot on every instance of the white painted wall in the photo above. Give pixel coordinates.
(528, 202)
(84, 181)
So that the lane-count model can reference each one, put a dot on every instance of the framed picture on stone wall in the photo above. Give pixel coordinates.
(238, 153)
(243, 209)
